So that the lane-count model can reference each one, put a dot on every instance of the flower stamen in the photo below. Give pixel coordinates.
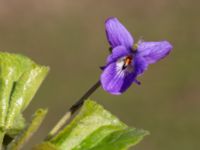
(127, 62)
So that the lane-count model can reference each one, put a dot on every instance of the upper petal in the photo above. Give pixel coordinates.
(154, 51)
(116, 81)
(118, 52)
(117, 34)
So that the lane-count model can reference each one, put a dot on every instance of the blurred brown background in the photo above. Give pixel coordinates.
(69, 36)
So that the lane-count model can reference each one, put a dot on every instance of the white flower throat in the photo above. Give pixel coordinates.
(125, 64)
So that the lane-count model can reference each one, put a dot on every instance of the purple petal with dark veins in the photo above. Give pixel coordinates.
(116, 81)
(117, 34)
(118, 52)
(154, 51)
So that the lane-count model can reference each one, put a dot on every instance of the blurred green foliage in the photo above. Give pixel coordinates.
(69, 37)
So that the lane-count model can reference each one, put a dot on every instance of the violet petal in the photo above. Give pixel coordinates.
(117, 34)
(118, 52)
(140, 65)
(154, 51)
(116, 81)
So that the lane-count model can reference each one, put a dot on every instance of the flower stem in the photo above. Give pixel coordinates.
(72, 110)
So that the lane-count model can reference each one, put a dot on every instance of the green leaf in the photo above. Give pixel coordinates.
(11, 68)
(24, 90)
(94, 128)
(20, 78)
(120, 140)
(18, 125)
(91, 118)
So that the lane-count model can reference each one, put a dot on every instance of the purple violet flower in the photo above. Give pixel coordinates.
(128, 60)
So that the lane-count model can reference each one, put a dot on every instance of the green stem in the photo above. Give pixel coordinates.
(72, 110)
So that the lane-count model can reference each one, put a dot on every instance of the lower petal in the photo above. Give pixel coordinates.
(116, 81)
